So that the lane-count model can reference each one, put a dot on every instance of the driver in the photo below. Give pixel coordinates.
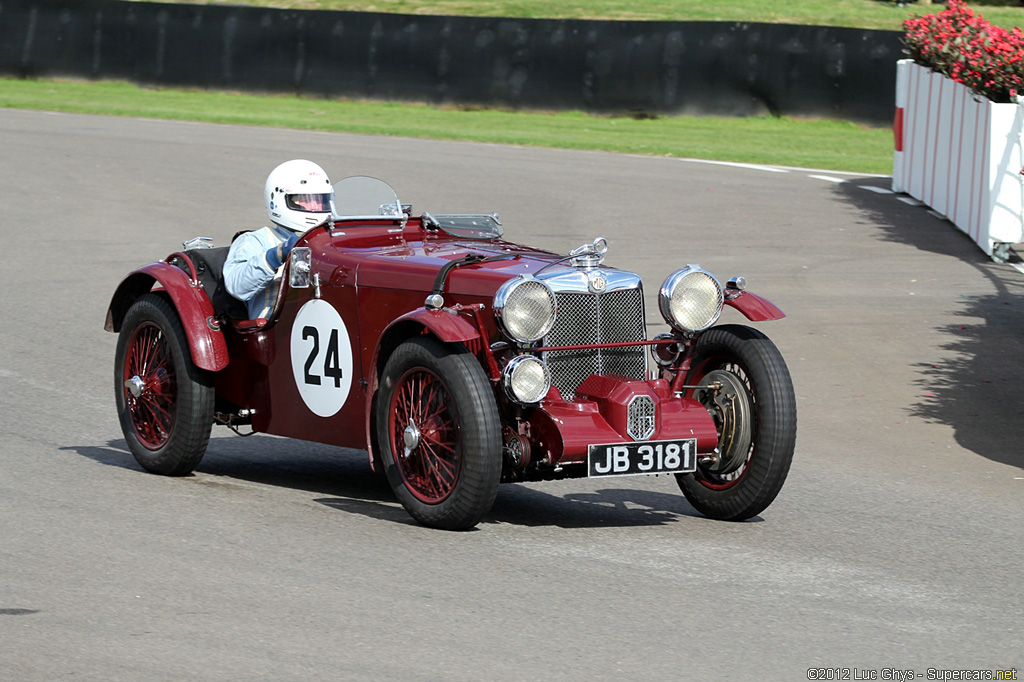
(298, 197)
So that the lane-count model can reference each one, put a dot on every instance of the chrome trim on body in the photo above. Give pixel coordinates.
(579, 281)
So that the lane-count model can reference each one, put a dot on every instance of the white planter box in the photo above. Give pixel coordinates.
(960, 154)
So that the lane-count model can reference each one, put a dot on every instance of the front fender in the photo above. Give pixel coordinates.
(446, 326)
(754, 307)
(207, 345)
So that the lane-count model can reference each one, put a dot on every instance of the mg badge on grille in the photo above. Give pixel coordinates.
(640, 417)
(596, 282)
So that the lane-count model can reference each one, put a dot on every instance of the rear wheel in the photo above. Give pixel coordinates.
(746, 387)
(164, 402)
(439, 434)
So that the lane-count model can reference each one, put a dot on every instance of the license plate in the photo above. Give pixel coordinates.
(637, 459)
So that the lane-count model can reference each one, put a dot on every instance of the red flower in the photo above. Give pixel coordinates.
(960, 44)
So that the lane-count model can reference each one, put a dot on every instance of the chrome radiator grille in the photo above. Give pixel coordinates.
(585, 318)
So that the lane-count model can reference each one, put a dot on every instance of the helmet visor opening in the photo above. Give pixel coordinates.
(310, 203)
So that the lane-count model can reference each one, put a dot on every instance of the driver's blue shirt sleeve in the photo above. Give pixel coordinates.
(249, 275)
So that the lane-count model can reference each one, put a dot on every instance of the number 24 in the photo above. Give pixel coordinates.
(332, 360)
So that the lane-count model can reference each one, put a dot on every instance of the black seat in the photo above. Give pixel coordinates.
(210, 269)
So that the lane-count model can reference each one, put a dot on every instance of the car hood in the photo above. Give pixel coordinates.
(414, 266)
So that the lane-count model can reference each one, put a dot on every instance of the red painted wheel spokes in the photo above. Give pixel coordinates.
(152, 412)
(424, 438)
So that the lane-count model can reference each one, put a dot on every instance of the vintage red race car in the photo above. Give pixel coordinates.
(458, 360)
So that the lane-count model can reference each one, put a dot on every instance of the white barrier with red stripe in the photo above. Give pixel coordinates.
(960, 154)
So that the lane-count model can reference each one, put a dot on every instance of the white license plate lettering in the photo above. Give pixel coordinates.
(634, 459)
(616, 460)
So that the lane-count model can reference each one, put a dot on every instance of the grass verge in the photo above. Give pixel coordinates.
(877, 14)
(835, 145)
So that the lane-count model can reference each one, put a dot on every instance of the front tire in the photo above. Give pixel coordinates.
(749, 393)
(164, 402)
(439, 434)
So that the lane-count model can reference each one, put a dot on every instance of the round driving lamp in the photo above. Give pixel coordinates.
(525, 309)
(691, 299)
(526, 379)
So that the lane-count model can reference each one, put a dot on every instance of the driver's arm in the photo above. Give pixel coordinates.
(248, 269)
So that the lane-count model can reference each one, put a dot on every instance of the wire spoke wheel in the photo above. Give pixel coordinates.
(165, 402)
(149, 389)
(424, 435)
(745, 386)
(439, 433)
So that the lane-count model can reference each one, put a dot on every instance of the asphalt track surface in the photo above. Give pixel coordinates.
(895, 544)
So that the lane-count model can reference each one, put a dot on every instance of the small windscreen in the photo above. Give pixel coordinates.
(365, 197)
(470, 226)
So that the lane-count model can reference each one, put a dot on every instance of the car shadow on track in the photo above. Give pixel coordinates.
(341, 479)
(607, 507)
(977, 391)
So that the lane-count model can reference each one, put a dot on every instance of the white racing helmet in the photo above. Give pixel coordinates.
(298, 195)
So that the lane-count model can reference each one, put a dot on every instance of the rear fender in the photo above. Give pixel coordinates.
(445, 326)
(755, 308)
(205, 340)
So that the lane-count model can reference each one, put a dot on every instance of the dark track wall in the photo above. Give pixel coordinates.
(597, 66)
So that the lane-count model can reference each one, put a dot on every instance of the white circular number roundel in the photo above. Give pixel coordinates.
(321, 357)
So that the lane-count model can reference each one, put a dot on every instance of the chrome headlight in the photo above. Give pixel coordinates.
(525, 309)
(526, 379)
(691, 299)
